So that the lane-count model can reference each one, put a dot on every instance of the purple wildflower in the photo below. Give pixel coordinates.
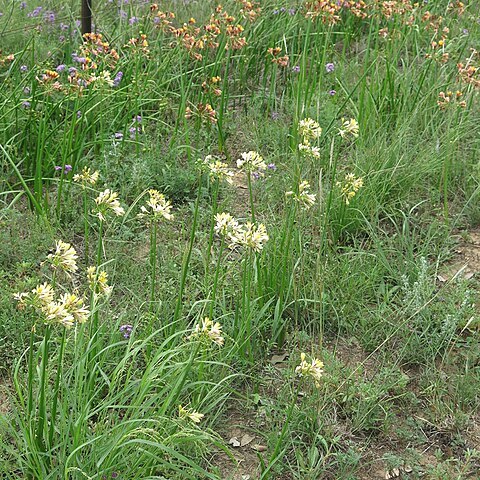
(60, 68)
(67, 168)
(132, 20)
(64, 26)
(79, 114)
(332, 92)
(61, 38)
(137, 118)
(123, 14)
(26, 90)
(276, 12)
(49, 17)
(330, 67)
(275, 115)
(296, 68)
(134, 131)
(126, 330)
(72, 71)
(26, 104)
(291, 11)
(117, 79)
(118, 135)
(35, 12)
(256, 175)
(272, 166)
(23, 5)
(23, 68)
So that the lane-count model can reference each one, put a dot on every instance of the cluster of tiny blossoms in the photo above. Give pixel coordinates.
(64, 257)
(313, 369)
(86, 177)
(208, 331)
(157, 208)
(303, 197)
(66, 309)
(98, 281)
(250, 236)
(350, 187)
(217, 169)
(108, 201)
(252, 162)
(309, 130)
(349, 127)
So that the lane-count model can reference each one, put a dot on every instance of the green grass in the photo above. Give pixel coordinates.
(375, 288)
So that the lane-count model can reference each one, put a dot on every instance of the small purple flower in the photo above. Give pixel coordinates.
(23, 68)
(276, 12)
(137, 118)
(77, 23)
(272, 166)
(64, 26)
(292, 11)
(275, 115)
(123, 14)
(26, 104)
(35, 12)
(114, 475)
(465, 31)
(126, 330)
(60, 68)
(332, 92)
(66, 169)
(79, 114)
(132, 20)
(117, 79)
(296, 68)
(118, 135)
(49, 17)
(256, 175)
(23, 5)
(72, 71)
(283, 9)
(330, 67)
(61, 38)
(26, 90)
(134, 131)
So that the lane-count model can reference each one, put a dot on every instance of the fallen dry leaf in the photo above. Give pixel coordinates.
(246, 439)
(278, 358)
(234, 442)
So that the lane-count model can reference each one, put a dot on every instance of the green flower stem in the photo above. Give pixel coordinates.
(153, 262)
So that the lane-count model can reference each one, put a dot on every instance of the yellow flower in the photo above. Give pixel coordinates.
(251, 162)
(158, 207)
(309, 129)
(217, 169)
(192, 415)
(313, 369)
(350, 127)
(86, 177)
(251, 236)
(309, 150)
(74, 306)
(98, 283)
(207, 330)
(350, 187)
(303, 197)
(43, 293)
(57, 312)
(225, 224)
(107, 200)
(64, 257)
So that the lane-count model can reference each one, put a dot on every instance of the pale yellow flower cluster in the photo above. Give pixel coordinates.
(103, 79)
(309, 130)
(217, 169)
(98, 282)
(252, 162)
(108, 201)
(157, 208)
(349, 127)
(185, 413)
(63, 258)
(350, 187)
(86, 177)
(249, 236)
(314, 369)
(303, 197)
(66, 310)
(209, 331)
